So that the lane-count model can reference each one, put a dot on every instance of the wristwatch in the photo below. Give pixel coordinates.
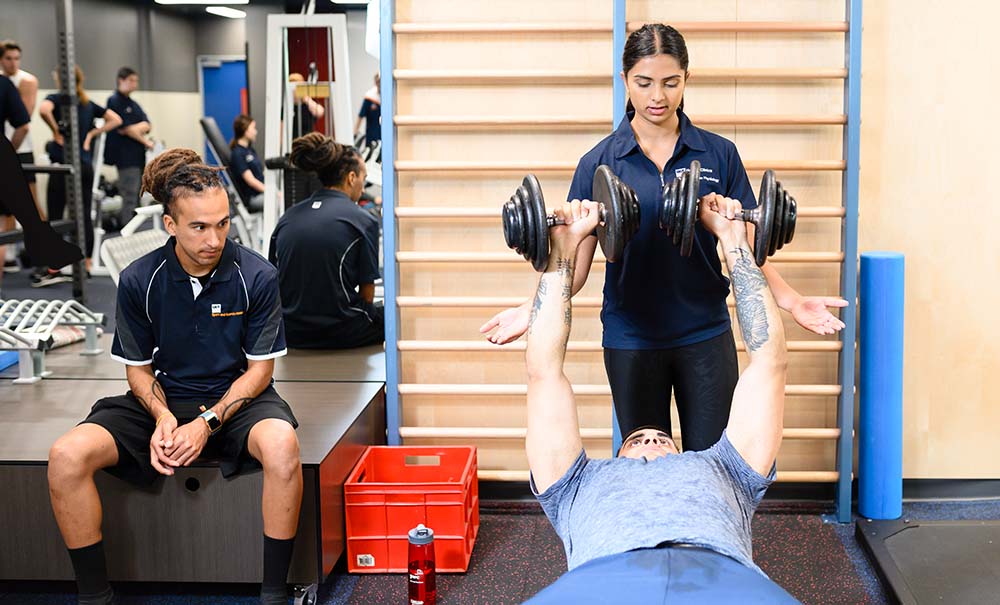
(214, 424)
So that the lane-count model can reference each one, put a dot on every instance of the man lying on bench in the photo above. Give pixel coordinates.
(198, 325)
(653, 525)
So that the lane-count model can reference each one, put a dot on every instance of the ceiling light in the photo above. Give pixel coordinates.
(224, 11)
(203, 1)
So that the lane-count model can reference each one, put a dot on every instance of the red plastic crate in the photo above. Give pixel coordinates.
(393, 488)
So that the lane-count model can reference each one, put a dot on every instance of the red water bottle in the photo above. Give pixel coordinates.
(423, 589)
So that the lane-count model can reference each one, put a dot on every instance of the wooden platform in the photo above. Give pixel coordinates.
(351, 365)
(195, 526)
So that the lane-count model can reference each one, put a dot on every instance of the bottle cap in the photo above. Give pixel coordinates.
(421, 535)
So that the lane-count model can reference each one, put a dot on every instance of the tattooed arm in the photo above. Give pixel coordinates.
(244, 389)
(756, 418)
(190, 438)
(553, 439)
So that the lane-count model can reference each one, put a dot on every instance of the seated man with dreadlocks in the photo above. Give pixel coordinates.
(654, 525)
(198, 326)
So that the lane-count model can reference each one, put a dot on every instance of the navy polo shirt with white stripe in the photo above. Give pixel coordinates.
(653, 297)
(198, 344)
(325, 247)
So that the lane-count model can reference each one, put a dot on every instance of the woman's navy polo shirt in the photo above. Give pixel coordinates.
(243, 159)
(198, 346)
(86, 114)
(654, 298)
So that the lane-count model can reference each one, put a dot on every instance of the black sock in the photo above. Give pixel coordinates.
(91, 569)
(277, 560)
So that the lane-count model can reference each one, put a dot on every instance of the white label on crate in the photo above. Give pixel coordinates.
(366, 561)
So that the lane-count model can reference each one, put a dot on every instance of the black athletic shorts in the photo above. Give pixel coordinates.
(132, 427)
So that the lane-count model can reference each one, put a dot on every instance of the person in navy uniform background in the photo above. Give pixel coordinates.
(245, 165)
(198, 326)
(326, 251)
(125, 147)
(371, 113)
(666, 323)
(88, 113)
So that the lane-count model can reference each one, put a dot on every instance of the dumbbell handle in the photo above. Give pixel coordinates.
(751, 215)
(552, 221)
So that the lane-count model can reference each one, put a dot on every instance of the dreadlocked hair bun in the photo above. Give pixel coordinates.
(330, 160)
(176, 172)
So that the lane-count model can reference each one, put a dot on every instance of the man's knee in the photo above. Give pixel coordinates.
(74, 456)
(278, 446)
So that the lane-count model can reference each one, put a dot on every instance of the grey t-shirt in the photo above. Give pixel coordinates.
(606, 507)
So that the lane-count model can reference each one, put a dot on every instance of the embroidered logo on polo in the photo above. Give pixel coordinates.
(705, 174)
(217, 312)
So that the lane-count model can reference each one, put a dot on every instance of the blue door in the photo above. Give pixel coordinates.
(224, 94)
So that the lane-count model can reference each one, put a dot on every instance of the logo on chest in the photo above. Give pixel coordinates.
(707, 174)
(217, 312)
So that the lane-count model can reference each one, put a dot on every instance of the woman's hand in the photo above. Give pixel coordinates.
(811, 313)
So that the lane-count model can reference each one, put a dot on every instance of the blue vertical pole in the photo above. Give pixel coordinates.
(390, 274)
(618, 35)
(880, 422)
(849, 270)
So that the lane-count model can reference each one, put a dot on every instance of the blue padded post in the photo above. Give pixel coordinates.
(880, 430)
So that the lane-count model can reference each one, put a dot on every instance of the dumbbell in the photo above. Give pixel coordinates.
(774, 215)
(526, 226)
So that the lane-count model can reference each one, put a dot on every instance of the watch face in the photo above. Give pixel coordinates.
(213, 421)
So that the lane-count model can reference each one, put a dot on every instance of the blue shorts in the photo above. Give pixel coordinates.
(678, 576)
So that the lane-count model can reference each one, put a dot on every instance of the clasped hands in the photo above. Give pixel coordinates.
(172, 446)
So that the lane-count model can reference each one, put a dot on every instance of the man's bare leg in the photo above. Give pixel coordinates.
(73, 460)
(274, 444)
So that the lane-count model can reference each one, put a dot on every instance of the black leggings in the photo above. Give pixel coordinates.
(702, 376)
(56, 193)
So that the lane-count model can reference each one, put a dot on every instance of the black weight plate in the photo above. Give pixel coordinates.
(688, 211)
(527, 229)
(513, 229)
(779, 209)
(781, 218)
(631, 201)
(527, 224)
(609, 234)
(765, 222)
(668, 208)
(791, 218)
(535, 206)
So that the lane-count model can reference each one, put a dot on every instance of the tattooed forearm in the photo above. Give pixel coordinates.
(564, 267)
(152, 402)
(535, 306)
(158, 393)
(232, 407)
(748, 287)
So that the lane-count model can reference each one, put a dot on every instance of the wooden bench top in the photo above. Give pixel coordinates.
(33, 416)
